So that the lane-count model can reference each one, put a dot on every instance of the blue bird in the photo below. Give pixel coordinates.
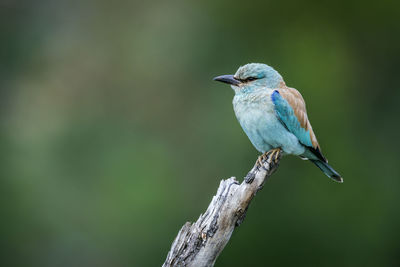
(274, 116)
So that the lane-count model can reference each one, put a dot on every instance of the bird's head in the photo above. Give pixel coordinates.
(252, 76)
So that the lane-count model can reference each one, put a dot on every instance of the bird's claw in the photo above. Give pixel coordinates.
(261, 159)
(274, 154)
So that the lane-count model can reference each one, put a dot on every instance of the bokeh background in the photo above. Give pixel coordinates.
(113, 134)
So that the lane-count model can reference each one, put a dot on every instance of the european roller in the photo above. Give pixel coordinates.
(274, 116)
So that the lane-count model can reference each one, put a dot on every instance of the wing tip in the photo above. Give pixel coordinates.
(337, 178)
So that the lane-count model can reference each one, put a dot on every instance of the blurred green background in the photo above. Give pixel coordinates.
(113, 134)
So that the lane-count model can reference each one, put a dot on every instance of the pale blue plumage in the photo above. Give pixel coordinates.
(272, 120)
(256, 114)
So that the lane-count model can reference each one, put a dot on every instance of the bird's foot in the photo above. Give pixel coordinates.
(261, 159)
(274, 154)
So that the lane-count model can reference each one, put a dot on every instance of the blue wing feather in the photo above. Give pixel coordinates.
(287, 117)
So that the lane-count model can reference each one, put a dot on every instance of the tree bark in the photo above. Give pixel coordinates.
(200, 243)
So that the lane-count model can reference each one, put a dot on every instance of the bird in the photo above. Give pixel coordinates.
(274, 116)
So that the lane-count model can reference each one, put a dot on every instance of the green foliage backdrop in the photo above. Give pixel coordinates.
(113, 134)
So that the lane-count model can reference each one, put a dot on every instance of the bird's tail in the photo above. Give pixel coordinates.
(328, 170)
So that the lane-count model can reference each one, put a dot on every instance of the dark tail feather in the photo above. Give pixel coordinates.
(328, 170)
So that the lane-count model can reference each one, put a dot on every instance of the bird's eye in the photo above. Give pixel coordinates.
(249, 79)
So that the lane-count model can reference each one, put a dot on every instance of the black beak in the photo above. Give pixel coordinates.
(229, 79)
